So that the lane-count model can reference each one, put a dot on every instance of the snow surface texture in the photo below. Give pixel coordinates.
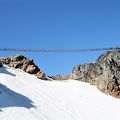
(24, 97)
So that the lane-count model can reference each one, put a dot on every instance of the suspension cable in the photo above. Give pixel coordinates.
(58, 50)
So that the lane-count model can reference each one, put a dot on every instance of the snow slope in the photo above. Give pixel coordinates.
(24, 97)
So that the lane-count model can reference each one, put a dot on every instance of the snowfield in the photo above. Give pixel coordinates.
(24, 97)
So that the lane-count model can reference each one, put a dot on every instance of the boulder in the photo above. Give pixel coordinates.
(87, 72)
(41, 75)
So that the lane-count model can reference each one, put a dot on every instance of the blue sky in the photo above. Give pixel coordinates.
(59, 24)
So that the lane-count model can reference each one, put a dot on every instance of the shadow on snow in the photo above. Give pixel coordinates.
(5, 71)
(9, 98)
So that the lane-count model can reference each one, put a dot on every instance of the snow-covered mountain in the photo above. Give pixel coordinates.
(25, 97)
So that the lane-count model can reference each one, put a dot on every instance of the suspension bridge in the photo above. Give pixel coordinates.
(59, 50)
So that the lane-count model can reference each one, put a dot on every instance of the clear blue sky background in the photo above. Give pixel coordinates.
(59, 24)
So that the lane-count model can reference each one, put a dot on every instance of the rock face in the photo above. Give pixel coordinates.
(104, 73)
(60, 77)
(21, 62)
(41, 75)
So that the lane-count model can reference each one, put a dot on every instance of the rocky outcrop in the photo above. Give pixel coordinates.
(60, 77)
(21, 62)
(104, 73)
(87, 72)
(41, 75)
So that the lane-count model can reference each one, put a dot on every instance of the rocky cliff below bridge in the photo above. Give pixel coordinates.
(104, 73)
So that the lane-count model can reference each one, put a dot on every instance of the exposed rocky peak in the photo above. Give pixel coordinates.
(109, 55)
(26, 64)
(104, 73)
